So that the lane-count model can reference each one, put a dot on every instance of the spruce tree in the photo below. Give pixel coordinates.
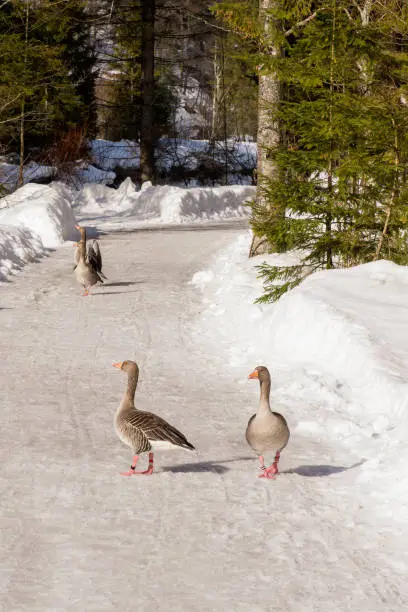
(339, 196)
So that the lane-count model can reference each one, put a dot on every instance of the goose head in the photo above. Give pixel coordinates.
(130, 367)
(261, 373)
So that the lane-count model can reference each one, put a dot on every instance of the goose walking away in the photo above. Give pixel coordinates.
(85, 269)
(267, 431)
(143, 431)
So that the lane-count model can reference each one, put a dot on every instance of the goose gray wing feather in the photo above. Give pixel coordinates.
(131, 433)
(95, 258)
(155, 428)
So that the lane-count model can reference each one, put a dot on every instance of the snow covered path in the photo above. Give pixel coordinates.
(203, 533)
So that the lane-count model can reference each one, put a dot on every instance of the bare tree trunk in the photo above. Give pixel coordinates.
(268, 128)
(215, 92)
(22, 106)
(147, 170)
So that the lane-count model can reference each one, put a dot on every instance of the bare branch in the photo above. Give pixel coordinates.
(10, 102)
(302, 23)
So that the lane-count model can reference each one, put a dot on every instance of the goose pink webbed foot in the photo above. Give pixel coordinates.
(272, 471)
(132, 470)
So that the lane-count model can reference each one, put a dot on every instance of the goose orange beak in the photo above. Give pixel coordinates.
(254, 374)
(118, 365)
(77, 227)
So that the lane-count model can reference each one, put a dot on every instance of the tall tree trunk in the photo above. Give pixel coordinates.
(147, 129)
(215, 92)
(22, 106)
(268, 128)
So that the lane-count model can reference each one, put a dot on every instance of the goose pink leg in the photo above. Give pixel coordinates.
(132, 471)
(272, 470)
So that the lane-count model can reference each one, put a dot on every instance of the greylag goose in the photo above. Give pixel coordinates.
(85, 273)
(94, 257)
(267, 431)
(143, 431)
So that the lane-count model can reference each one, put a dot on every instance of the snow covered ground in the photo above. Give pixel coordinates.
(171, 152)
(128, 208)
(337, 347)
(39, 217)
(203, 534)
(172, 155)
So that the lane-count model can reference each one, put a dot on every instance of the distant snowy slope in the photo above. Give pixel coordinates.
(337, 347)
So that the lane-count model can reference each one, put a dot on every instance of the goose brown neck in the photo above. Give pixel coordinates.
(131, 385)
(82, 248)
(265, 392)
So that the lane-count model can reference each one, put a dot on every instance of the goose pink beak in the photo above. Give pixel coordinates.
(77, 227)
(118, 365)
(254, 374)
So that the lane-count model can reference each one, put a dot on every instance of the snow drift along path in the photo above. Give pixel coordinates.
(203, 534)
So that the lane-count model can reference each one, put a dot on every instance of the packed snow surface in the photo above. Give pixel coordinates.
(337, 347)
(203, 534)
(39, 217)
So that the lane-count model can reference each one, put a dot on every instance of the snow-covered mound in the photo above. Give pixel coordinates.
(42, 209)
(337, 347)
(18, 246)
(87, 173)
(125, 207)
(33, 218)
(109, 154)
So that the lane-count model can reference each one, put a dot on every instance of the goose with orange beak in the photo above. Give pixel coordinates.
(143, 431)
(267, 431)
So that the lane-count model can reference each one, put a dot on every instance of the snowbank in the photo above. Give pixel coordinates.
(18, 246)
(125, 207)
(337, 347)
(32, 219)
(42, 209)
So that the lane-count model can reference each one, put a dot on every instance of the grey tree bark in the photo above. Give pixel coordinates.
(147, 169)
(268, 128)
